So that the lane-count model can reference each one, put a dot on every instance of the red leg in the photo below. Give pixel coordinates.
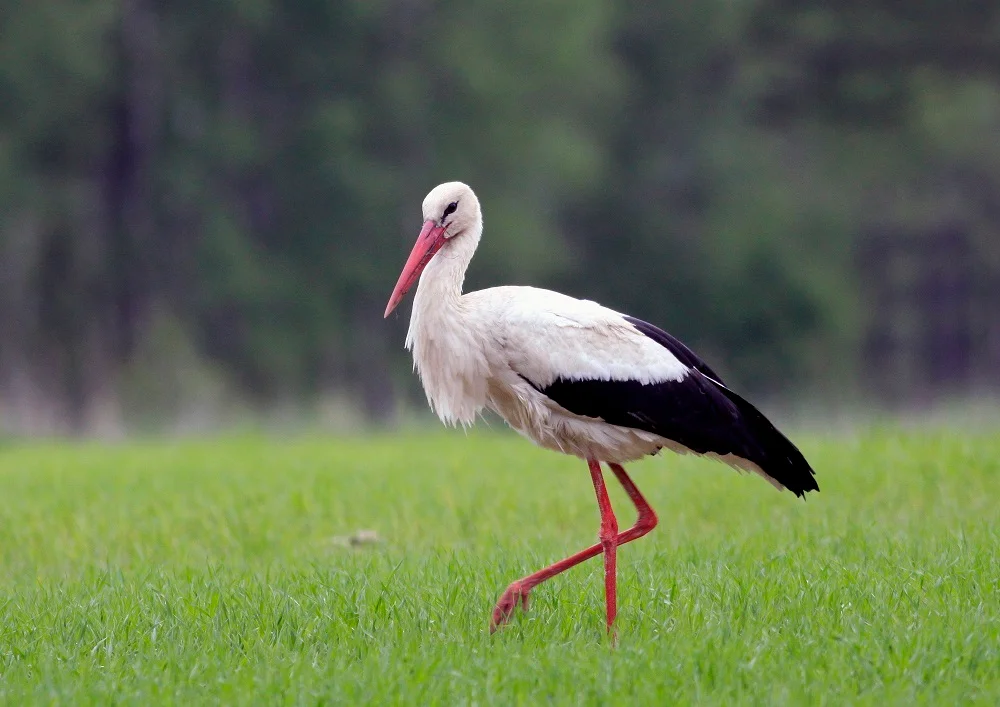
(518, 591)
(609, 542)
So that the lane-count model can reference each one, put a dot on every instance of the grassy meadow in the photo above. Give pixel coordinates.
(218, 572)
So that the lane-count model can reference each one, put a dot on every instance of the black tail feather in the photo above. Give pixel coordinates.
(770, 450)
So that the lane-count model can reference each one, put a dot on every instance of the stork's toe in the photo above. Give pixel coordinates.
(505, 606)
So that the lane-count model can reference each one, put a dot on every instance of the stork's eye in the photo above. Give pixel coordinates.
(449, 210)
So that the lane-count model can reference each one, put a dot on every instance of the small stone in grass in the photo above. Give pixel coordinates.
(357, 539)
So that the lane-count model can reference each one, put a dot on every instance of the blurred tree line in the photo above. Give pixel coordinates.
(204, 199)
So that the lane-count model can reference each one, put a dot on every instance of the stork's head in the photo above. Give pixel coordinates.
(450, 211)
(452, 206)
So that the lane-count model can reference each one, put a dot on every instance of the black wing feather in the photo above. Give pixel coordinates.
(698, 412)
(685, 355)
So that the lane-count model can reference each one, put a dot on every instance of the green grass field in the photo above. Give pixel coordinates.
(211, 572)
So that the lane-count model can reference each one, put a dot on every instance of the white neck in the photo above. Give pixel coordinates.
(440, 288)
(444, 334)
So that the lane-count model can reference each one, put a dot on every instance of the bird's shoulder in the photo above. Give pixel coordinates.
(545, 335)
(534, 306)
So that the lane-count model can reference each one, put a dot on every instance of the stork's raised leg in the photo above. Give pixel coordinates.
(646, 521)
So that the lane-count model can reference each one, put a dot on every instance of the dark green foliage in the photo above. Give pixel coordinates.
(248, 175)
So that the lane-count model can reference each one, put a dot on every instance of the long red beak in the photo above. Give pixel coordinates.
(428, 243)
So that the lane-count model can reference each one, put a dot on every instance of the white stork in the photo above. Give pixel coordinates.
(571, 376)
